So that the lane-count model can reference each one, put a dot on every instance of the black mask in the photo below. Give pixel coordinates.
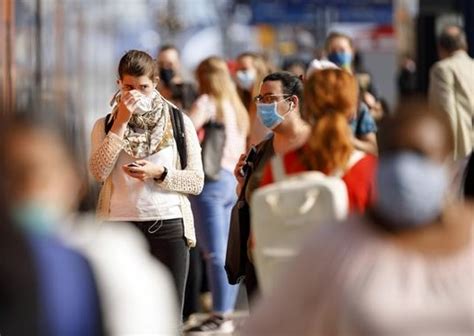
(166, 75)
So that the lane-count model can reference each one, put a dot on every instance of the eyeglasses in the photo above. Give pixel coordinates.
(270, 98)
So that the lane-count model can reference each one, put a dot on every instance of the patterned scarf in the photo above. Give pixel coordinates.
(147, 133)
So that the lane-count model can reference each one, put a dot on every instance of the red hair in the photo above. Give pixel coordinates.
(330, 96)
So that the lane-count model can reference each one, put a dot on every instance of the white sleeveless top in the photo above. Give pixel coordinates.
(136, 200)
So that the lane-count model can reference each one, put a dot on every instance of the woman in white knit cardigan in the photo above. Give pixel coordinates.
(138, 162)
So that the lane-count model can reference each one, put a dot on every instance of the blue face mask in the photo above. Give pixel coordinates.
(341, 58)
(410, 189)
(245, 79)
(268, 114)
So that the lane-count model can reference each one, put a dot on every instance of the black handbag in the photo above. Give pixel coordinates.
(212, 149)
(236, 257)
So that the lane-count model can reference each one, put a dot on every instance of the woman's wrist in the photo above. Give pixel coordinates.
(118, 128)
(160, 177)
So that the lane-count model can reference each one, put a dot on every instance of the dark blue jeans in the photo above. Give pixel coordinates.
(212, 218)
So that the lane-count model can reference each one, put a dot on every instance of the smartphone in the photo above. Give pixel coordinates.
(249, 160)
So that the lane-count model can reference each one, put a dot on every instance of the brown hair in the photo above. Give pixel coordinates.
(167, 47)
(214, 79)
(330, 96)
(334, 35)
(138, 63)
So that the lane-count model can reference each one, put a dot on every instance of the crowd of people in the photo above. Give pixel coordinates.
(174, 156)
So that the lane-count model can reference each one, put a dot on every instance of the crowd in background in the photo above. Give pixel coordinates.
(175, 157)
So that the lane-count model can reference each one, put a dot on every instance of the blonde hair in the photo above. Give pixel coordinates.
(214, 79)
(330, 96)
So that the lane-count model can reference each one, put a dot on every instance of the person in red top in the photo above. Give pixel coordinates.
(330, 96)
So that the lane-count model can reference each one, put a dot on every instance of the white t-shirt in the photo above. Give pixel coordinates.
(136, 200)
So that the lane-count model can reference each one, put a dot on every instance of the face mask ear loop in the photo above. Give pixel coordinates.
(289, 108)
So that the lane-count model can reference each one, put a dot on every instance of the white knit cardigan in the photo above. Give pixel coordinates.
(105, 152)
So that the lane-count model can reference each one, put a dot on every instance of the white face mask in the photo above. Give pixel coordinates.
(245, 79)
(144, 104)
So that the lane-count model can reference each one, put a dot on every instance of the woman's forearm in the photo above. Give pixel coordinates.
(105, 152)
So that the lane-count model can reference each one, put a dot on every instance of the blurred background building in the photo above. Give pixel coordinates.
(66, 51)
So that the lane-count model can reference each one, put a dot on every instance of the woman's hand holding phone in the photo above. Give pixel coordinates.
(142, 169)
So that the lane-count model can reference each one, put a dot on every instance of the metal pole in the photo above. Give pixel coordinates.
(7, 70)
(38, 40)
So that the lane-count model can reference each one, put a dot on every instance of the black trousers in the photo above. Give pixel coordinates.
(193, 285)
(168, 244)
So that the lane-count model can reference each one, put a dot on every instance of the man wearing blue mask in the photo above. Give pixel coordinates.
(272, 108)
(278, 108)
(340, 51)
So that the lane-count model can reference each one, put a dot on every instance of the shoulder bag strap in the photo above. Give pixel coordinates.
(278, 168)
(108, 122)
(355, 157)
(179, 134)
(260, 148)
